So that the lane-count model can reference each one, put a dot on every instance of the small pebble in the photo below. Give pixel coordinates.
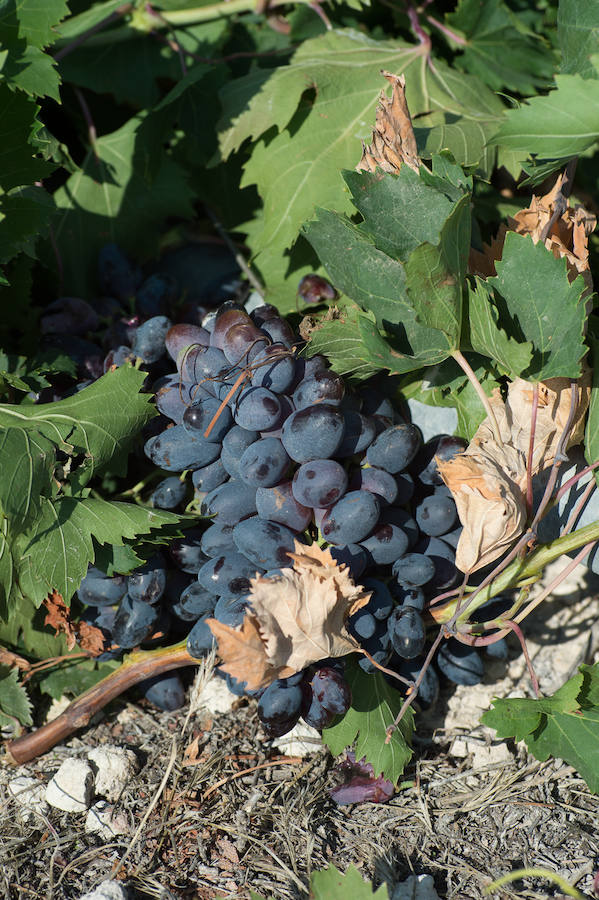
(114, 767)
(103, 821)
(416, 887)
(71, 787)
(29, 794)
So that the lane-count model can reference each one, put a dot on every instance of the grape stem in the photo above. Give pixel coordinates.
(471, 375)
(531, 447)
(136, 667)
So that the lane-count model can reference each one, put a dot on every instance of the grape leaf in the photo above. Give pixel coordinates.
(374, 707)
(130, 71)
(32, 20)
(497, 48)
(578, 34)
(73, 677)
(560, 125)
(331, 884)
(489, 338)
(99, 422)
(298, 168)
(565, 725)
(18, 125)
(14, 701)
(27, 213)
(75, 25)
(26, 461)
(106, 200)
(541, 306)
(55, 552)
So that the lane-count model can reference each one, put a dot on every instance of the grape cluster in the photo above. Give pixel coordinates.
(276, 448)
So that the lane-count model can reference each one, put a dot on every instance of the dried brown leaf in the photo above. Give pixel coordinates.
(243, 652)
(488, 480)
(296, 619)
(58, 617)
(89, 638)
(393, 140)
(567, 237)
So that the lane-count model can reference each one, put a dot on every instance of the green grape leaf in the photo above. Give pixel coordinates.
(26, 214)
(489, 338)
(131, 71)
(298, 168)
(75, 25)
(99, 422)
(14, 701)
(9, 594)
(331, 884)
(374, 707)
(541, 306)
(31, 20)
(33, 71)
(565, 725)
(55, 552)
(27, 462)
(560, 125)
(400, 211)
(578, 34)
(24, 374)
(18, 126)
(106, 201)
(497, 48)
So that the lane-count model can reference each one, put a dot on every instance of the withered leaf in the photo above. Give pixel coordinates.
(89, 638)
(488, 480)
(568, 235)
(295, 619)
(58, 617)
(393, 140)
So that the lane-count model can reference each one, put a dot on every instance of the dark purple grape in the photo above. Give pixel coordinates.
(351, 519)
(274, 368)
(279, 708)
(230, 502)
(97, 589)
(200, 639)
(414, 569)
(436, 515)
(149, 339)
(377, 481)
(169, 493)
(320, 387)
(351, 555)
(313, 433)
(217, 539)
(229, 573)
(443, 446)
(316, 289)
(118, 277)
(329, 696)
(235, 443)
(175, 450)
(381, 602)
(205, 414)
(148, 582)
(164, 691)
(182, 336)
(360, 431)
(266, 544)
(395, 448)
(187, 553)
(68, 315)
(385, 544)
(134, 622)
(406, 632)
(278, 504)
(231, 609)
(460, 663)
(264, 463)
(209, 477)
(258, 409)
(195, 601)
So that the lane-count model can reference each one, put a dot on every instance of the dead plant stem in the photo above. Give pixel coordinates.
(471, 375)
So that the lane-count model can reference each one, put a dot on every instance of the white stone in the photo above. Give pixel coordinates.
(72, 786)
(302, 740)
(57, 707)
(416, 887)
(107, 890)
(114, 767)
(103, 821)
(29, 793)
(216, 697)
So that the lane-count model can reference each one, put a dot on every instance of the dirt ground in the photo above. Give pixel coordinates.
(216, 809)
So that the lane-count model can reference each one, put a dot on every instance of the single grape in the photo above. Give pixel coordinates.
(175, 450)
(169, 493)
(164, 691)
(195, 601)
(362, 624)
(279, 708)
(231, 610)
(134, 622)
(414, 569)
(264, 463)
(187, 552)
(322, 386)
(258, 409)
(385, 544)
(316, 289)
(351, 519)
(148, 582)
(266, 544)
(209, 477)
(360, 432)
(274, 368)
(444, 447)
(229, 573)
(217, 539)
(460, 663)
(381, 602)
(179, 337)
(149, 339)
(406, 632)
(436, 515)
(230, 502)
(351, 555)
(395, 448)
(203, 413)
(377, 481)
(313, 433)
(97, 589)
(156, 295)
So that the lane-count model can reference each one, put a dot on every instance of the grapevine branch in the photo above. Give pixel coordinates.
(138, 666)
